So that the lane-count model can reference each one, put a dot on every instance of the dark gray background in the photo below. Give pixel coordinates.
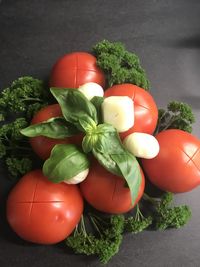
(166, 36)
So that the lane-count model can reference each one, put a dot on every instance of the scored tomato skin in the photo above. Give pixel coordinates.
(75, 69)
(42, 145)
(42, 212)
(107, 192)
(176, 168)
(145, 109)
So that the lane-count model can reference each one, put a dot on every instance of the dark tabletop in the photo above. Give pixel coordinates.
(166, 36)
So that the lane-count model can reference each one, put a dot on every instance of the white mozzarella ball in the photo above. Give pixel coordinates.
(119, 112)
(142, 145)
(78, 178)
(91, 89)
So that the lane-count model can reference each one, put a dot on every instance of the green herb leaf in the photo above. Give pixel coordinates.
(65, 162)
(108, 140)
(97, 102)
(57, 128)
(178, 115)
(87, 124)
(101, 139)
(25, 95)
(75, 106)
(119, 65)
(102, 235)
(111, 154)
(124, 165)
(107, 162)
(130, 170)
(164, 214)
(88, 142)
(18, 166)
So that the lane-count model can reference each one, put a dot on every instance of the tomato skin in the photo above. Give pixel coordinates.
(145, 109)
(42, 145)
(106, 192)
(177, 166)
(75, 69)
(42, 212)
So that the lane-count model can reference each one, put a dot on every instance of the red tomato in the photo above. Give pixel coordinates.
(42, 212)
(75, 69)
(107, 192)
(177, 166)
(41, 145)
(145, 109)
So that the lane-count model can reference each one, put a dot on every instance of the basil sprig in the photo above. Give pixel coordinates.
(102, 140)
(65, 162)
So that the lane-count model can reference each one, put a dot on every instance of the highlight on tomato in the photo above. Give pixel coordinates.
(75, 69)
(107, 192)
(42, 145)
(145, 109)
(42, 212)
(176, 168)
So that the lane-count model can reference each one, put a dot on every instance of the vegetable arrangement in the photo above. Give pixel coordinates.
(100, 138)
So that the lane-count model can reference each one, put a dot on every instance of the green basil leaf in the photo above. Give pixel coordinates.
(97, 102)
(130, 170)
(108, 140)
(100, 138)
(74, 105)
(87, 124)
(56, 128)
(65, 162)
(107, 162)
(87, 143)
(111, 154)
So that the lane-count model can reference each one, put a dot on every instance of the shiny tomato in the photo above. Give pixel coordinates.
(75, 69)
(107, 192)
(41, 145)
(177, 166)
(145, 109)
(42, 212)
